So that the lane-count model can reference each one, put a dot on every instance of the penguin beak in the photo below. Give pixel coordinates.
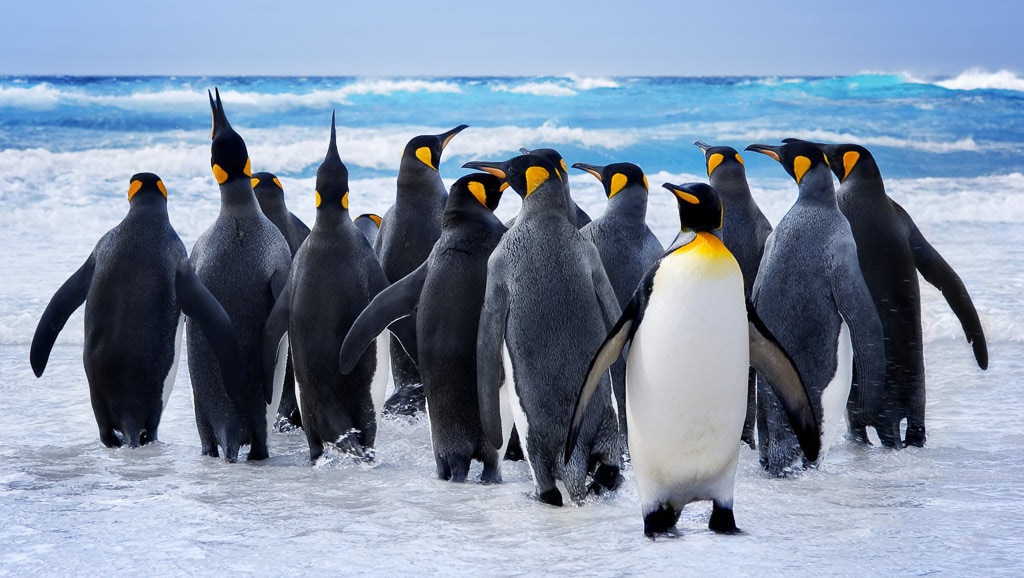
(446, 137)
(703, 146)
(592, 169)
(498, 169)
(772, 151)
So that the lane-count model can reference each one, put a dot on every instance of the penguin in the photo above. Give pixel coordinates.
(270, 196)
(243, 259)
(811, 294)
(744, 231)
(577, 216)
(445, 295)
(626, 244)
(369, 224)
(892, 250)
(547, 306)
(408, 231)
(334, 276)
(136, 284)
(693, 336)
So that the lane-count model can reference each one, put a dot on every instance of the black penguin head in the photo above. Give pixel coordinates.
(719, 156)
(700, 209)
(615, 176)
(844, 159)
(552, 156)
(332, 177)
(372, 217)
(228, 155)
(486, 188)
(267, 186)
(146, 185)
(796, 156)
(525, 173)
(427, 148)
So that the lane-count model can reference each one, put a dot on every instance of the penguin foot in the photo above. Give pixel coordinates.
(514, 448)
(915, 435)
(407, 400)
(606, 478)
(552, 497)
(722, 520)
(661, 522)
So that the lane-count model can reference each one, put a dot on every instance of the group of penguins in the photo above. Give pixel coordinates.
(575, 342)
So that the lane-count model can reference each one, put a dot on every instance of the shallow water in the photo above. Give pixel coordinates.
(73, 506)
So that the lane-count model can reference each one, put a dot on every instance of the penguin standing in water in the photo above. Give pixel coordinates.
(693, 336)
(445, 296)
(744, 231)
(243, 259)
(547, 306)
(408, 231)
(334, 276)
(811, 294)
(891, 251)
(270, 195)
(136, 284)
(626, 244)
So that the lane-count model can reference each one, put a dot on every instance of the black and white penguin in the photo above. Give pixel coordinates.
(693, 336)
(626, 244)
(270, 195)
(811, 294)
(744, 231)
(369, 224)
(243, 259)
(136, 284)
(892, 250)
(547, 306)
(408, 231)
(445, 296)
(334, 276)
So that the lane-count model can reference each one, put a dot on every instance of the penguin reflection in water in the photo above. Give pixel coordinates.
(693, 335)
(136, 284)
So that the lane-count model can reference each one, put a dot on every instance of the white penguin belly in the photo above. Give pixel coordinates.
(379, 382)
(173, 373)
(836, 393)
(686, 386)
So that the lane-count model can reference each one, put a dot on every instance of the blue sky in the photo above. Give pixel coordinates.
(528, 37)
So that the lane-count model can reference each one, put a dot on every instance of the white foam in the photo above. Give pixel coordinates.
(977, 79)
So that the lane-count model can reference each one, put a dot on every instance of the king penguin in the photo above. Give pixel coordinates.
(136, 284)
(547, 305)
(744, 231)
(891, 251)
(408, 231)
(693, 335)
(626, 244)
(243, 259)
(445, 295)
(334, 276)
(270, 195)
(811, 294)
(577, 216)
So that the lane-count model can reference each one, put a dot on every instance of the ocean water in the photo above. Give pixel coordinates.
(952, 152)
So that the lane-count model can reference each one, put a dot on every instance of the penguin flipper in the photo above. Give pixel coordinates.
(64, 302)
(275, 332)
(857, 308)
(775, 364)
(196, 301)
(490, 364)
(609, 352)
(938, 272)
(384, 311)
